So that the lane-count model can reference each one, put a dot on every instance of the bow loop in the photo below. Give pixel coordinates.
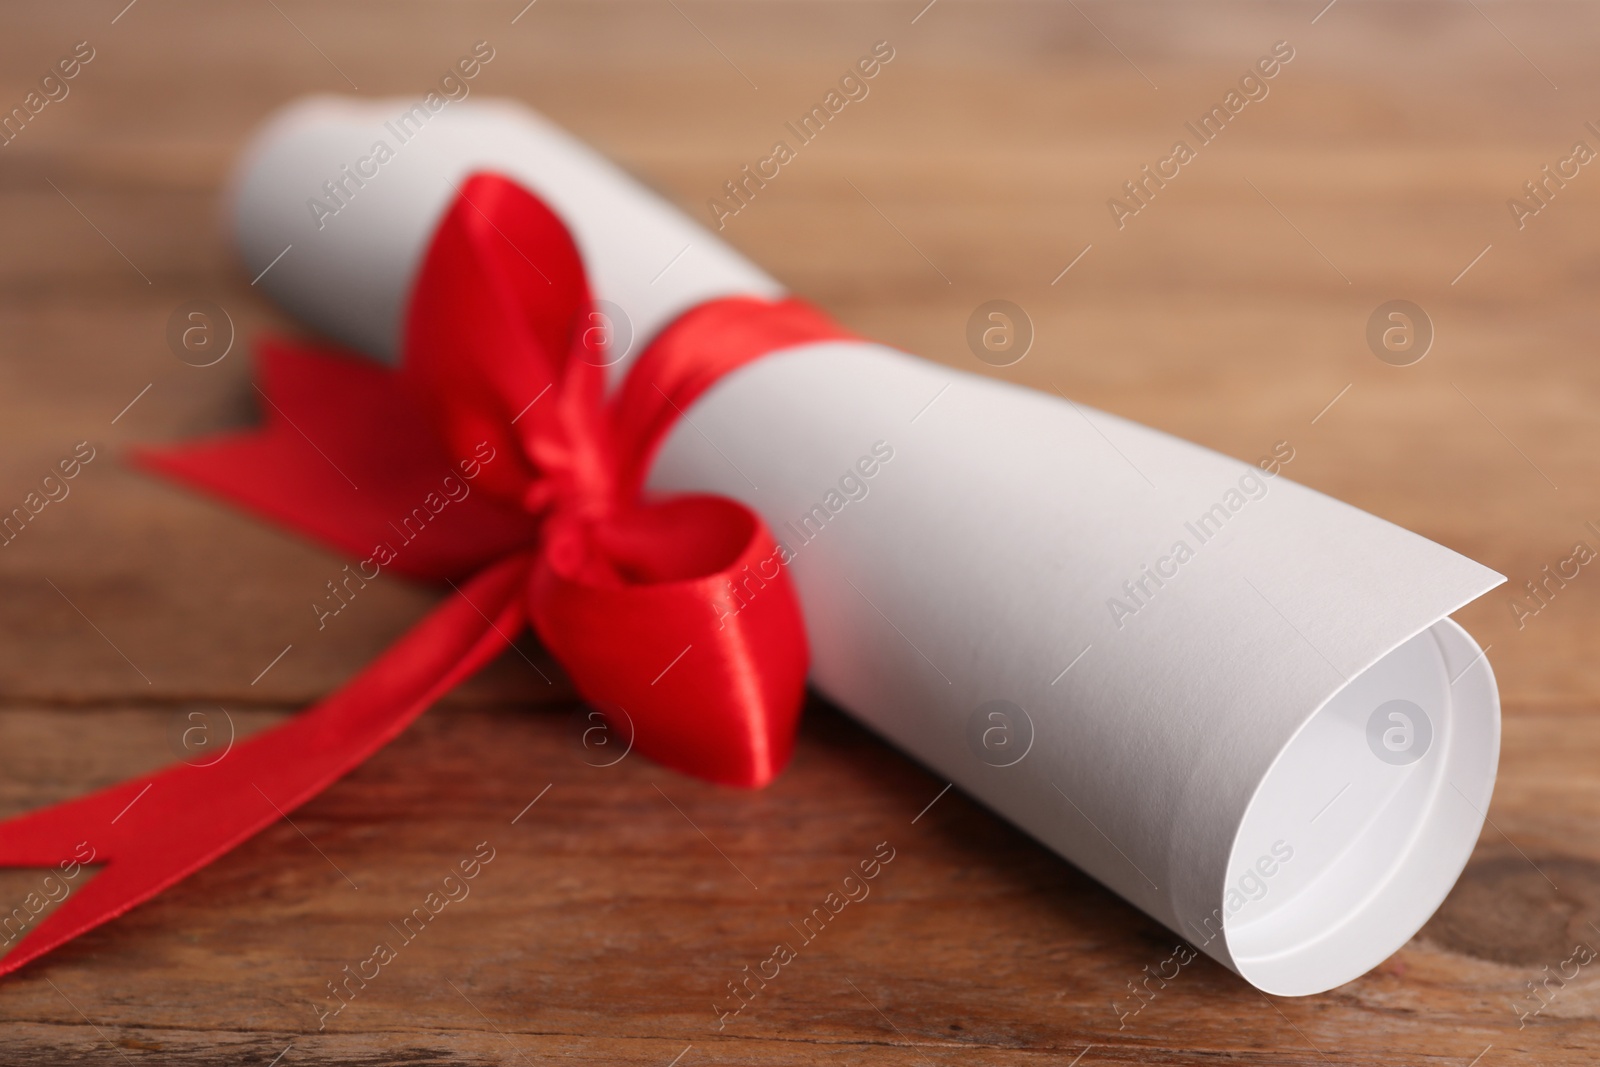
(497, 347)
(635, 605)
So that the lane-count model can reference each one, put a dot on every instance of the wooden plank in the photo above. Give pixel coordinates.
(611, 919)
(1230, 310)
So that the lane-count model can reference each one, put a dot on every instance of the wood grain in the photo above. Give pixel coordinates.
(1230, 310)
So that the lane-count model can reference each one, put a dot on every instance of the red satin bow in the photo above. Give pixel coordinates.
(494, 452)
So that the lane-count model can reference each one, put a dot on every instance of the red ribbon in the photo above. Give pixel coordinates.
(494, 453)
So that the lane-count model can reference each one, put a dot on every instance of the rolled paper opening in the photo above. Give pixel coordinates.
(1366, 817)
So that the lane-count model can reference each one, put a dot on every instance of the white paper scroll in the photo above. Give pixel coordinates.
(1235, 701)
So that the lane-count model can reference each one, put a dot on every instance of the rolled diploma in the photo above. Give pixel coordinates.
(1222, 749)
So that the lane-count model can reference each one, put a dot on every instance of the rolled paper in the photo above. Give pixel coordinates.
(1238, 703)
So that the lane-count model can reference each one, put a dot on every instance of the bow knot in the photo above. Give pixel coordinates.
(501, 345)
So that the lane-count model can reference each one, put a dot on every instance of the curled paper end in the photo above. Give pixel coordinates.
(1365, 820)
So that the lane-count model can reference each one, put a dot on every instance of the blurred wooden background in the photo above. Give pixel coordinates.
(1231, 310)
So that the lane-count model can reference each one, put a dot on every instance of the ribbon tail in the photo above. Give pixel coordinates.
(344, 456)
(151, 832)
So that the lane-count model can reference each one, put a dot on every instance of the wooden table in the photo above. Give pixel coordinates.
(1231, 309)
